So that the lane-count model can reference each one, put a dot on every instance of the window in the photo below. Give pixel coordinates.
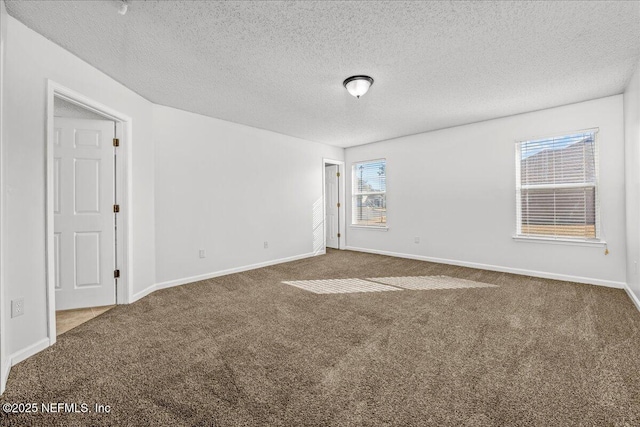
(369, 198)
(557, 187)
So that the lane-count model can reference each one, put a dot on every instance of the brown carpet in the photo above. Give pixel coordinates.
(246, 349)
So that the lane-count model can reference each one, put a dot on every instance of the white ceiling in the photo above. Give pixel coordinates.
(280, 65)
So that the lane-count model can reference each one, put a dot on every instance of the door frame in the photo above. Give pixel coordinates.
(342, 240)
(123, 190)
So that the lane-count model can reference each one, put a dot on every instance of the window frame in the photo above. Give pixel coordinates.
(561, 239)
(354, 195)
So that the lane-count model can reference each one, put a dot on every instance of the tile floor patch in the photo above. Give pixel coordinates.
(340, 286)
(431, 282)
(69, 319)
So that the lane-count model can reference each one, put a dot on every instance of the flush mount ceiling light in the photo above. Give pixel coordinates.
(122, 9)
(358, 85)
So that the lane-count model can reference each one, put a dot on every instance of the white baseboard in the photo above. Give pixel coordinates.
(519, 271)
(6, 369)
(143, 293)
(25, 353)
(183, 281)
(633, 296)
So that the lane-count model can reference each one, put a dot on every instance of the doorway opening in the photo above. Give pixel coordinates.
(87, 209)
(84, 239)
(333, 179)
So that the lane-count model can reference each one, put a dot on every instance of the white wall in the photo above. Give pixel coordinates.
(632, 181)
(4, 360)
(455, 188)
(62, 108)
(30, 61)
(227, 188)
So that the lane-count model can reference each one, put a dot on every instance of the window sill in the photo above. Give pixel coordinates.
(560, 241)
(370, 227)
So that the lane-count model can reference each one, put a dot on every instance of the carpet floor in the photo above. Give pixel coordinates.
(246, 349)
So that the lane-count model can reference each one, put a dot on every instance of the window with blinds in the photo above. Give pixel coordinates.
(557, 187)
(369, 193)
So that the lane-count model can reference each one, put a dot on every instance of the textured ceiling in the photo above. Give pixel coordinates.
(280, 65)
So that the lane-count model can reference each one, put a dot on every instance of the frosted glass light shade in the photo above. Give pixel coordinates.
(358, 85)
(122, 10)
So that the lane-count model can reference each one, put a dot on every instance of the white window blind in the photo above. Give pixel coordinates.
(369, 198)
(557, 186)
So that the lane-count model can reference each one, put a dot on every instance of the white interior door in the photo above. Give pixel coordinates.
(331, 201)
(84, 235)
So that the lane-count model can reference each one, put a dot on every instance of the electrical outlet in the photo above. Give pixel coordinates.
(416, 239)
(202, 253)
(17, 307)
(266, 245)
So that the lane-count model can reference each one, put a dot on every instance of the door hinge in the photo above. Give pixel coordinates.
(338, 174)
(338, 234)
(338, 204)
(116, 208)
(116, 142)
(116, 274)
